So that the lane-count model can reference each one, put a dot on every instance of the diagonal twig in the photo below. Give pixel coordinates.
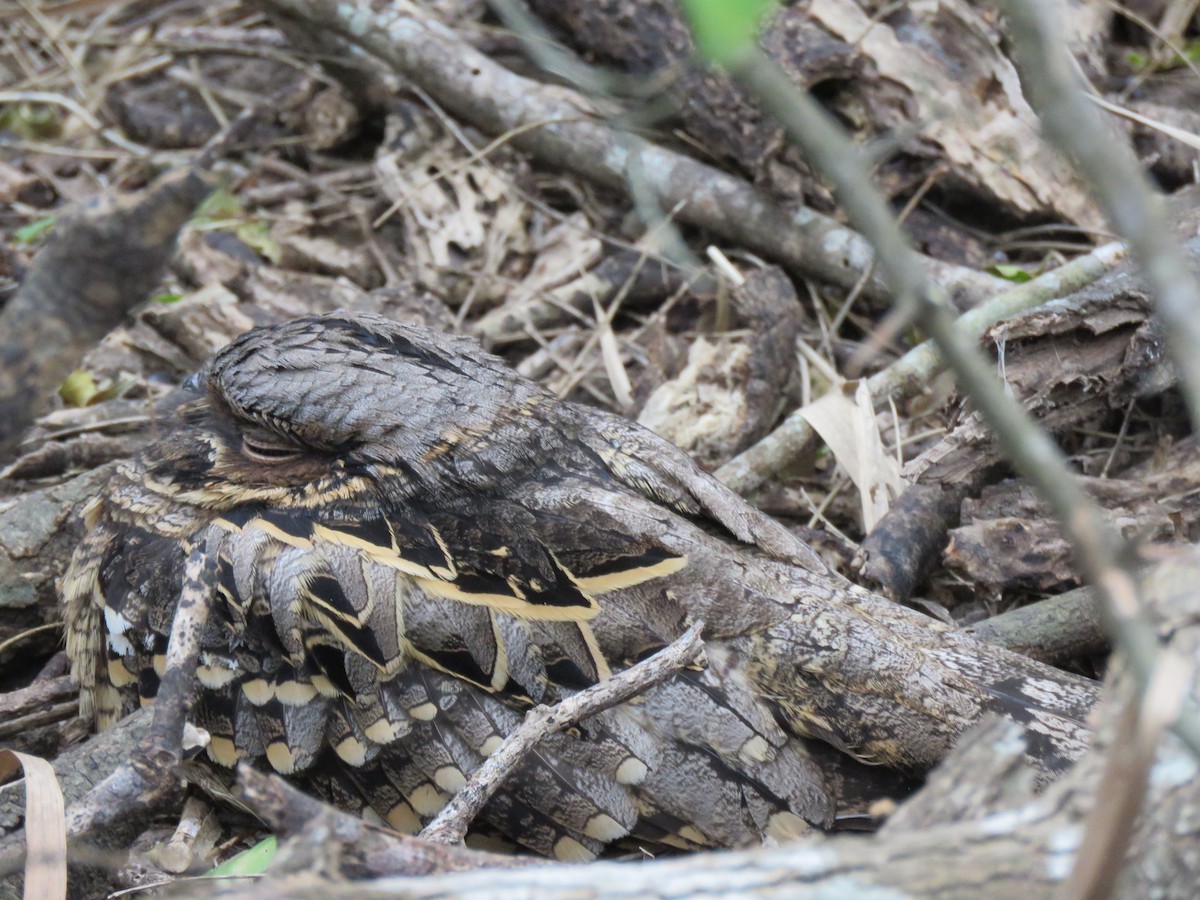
(498, 101)
(912, 372)
(452, 822)
(1114, 177)
(1100, 548)
(151, 778)
(1130, 202)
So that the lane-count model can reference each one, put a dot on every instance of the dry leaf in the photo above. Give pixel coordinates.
(45, 826)
(845, 419)
(610, 352)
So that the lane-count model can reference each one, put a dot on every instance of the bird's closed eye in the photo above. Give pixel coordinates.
(267, 448)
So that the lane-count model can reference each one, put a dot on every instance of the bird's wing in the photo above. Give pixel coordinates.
(499, 593)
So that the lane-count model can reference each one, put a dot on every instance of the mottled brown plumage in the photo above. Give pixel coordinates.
(414, 544)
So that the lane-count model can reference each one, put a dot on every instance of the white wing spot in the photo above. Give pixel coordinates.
(117, 626)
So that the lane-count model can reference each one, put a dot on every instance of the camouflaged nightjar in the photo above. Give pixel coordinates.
(414, 544)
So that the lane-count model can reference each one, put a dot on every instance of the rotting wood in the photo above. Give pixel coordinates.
(933, 71)
(909, 376)
(1074, 357)
(1007, 539)
(1070, 360)
(734, 386)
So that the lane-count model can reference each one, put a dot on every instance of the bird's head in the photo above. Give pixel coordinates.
(293, 414)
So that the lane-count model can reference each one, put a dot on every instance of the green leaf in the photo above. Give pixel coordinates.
(166, 297)
(223, 211)
(220, 205)
(1015, 274)
(256, 234)
(724, 29)
(79, 388)
(34, 231)
(249, 862)
(36, 121)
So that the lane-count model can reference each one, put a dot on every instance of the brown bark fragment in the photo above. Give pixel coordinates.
(1070, 360)
(1008, 539)
(903, 546)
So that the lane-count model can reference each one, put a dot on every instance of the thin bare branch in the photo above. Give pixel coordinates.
(1099, 547)
(1053, 630)
(1114, 176)
(477, 89)
(908, 375)
(453, 821)
(150, 779)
